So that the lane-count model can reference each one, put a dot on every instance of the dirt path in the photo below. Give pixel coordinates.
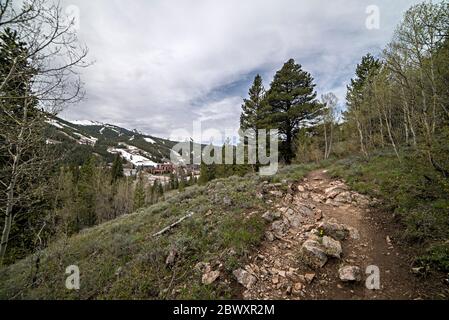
(278, 271)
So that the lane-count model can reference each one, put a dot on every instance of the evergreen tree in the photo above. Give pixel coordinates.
(160, 189)
(117, 169)
(87, 194)
(182, 183)
(139, 193)
(253, 106)
(207, 173)
(291, 104)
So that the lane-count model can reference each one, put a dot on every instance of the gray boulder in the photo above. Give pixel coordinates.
(313, 254)
(334, 230)
(332, 247)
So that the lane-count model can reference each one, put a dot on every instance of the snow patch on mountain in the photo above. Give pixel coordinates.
(134, 158)
(86, 123)
(54, 123)
(149, 140)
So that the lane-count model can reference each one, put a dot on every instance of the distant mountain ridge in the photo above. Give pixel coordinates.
(86, 137)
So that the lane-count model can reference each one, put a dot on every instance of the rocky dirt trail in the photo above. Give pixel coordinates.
(322, 238)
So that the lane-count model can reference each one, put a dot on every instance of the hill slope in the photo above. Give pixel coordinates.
(237, 232)
(85, 137)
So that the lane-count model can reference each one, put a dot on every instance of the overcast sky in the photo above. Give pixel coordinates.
(162, 64)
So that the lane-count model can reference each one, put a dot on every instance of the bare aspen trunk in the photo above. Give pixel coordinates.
(331, 138)
(7, 223)
(381, 125)
(362, 146)
(390, 135)
(325, 142)
(405, 123)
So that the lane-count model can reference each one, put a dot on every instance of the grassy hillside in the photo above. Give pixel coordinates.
(121, 259)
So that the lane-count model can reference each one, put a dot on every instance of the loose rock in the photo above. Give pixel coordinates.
(309, 277)
(313, 254)
(332, 247)
(350, 274)
(245, 278)
(210, 277)
(333, 229)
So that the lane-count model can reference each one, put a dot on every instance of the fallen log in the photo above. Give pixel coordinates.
(166, 229)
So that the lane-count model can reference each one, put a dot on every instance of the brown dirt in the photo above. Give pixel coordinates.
(278, 268)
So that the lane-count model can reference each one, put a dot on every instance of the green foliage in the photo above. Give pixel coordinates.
(117, 169)
(437, 257)
(252, 108)
(410, 188)
(139, 193)
(86, 195)
(291, 103)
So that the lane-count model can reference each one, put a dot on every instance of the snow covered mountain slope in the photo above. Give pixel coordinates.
(105, 139)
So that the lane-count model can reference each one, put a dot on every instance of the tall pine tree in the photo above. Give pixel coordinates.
(291, 104)
(253, 106)
(117, 169)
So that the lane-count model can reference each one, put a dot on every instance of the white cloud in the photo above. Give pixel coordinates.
(162, 64)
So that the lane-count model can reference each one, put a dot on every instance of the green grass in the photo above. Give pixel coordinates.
(412, 191)
(226, 237)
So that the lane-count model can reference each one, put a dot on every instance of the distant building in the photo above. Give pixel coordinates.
(163, 168)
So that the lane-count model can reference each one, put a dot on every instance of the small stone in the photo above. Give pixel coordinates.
(268, 216)
(354, 233)
(301, 189)
(278, 227)
(202, 267)
(276, 193)
(389, 243)
(269, 236)
(244, 278)
(288, 291)
(297, 287)
(334, 191)
(227, 201)
(308, 227)
(171, 257)
(309, 277)
(210, 277)
(350, 274)
(343, 197)
(305, 211)
(417, 270)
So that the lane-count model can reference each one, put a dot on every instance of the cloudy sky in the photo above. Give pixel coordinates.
(160, 65)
